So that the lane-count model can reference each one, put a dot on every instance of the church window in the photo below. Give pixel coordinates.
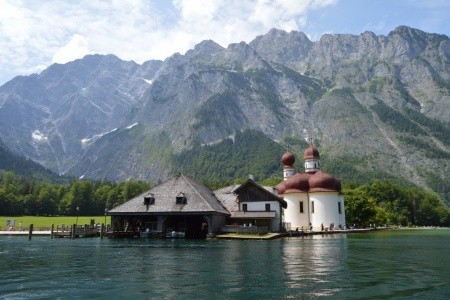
(244, 207)
(301, 207)
(312, 206)
(339, 207)
(267, 206)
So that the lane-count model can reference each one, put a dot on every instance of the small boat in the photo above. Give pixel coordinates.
(151, 233)
(171, 233)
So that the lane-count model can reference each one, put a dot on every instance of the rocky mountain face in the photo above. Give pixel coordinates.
(376, 102)
(11, 162)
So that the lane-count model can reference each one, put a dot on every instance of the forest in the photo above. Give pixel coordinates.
(20, 196)
(387, 203)
(380, 202)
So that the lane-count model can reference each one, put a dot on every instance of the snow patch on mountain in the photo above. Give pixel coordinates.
(87, 141)
(131, 126)
(38, 136)
(149, 81)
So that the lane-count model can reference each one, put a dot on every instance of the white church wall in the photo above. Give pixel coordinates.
(342, 220)
(326, 209)
(292, 213)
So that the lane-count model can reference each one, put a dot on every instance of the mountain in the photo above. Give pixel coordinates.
(379, 106)
(25, 167)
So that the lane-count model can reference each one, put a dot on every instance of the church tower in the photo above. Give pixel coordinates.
(312, 159)
(288, 160)
(314, 199)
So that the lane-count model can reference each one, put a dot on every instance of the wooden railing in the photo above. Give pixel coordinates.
(245, 230)
(78, 231)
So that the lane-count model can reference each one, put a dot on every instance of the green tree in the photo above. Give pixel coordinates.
(360, 209)
(47, 200)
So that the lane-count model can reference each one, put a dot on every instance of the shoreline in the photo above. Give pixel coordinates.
(25, 233)
(269, 236)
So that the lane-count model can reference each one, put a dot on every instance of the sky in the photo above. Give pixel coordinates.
(37, 34)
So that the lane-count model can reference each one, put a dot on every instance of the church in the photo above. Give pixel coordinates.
(314, 199)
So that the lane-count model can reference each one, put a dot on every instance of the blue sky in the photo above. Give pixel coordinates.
(36, 34)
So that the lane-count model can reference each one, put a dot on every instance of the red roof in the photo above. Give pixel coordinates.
(323, 182)
(288, 159)
(309, 182)
(311, 152)
(297, 182)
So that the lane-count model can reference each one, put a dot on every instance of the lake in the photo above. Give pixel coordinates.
(409, 264)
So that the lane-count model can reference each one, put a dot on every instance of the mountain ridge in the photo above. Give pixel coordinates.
(383, 101)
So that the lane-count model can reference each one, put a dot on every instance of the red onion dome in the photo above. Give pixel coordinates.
(288, 159)
(311, 152)
(294, 184)
(323, 182)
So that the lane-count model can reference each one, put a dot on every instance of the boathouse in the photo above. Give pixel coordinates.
(179, 206)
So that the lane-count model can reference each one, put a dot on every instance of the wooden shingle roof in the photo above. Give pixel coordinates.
(227, 197)
(199, 198)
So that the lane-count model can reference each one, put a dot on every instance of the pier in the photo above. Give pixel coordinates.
(76, 231)
(83, 231)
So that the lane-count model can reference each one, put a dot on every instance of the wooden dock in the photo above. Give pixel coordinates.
(77, 231)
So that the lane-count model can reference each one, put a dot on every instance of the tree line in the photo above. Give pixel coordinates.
(386, 203)
(378, 202)
(20, 196)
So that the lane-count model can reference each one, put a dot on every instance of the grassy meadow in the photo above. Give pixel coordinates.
(45, 223)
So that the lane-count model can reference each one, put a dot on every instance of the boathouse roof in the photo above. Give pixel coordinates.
(227, 197)
(178, 195)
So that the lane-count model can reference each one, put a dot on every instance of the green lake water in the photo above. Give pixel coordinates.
(406, 264)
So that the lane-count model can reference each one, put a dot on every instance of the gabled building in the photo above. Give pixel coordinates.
(179, 205)
(250, 204)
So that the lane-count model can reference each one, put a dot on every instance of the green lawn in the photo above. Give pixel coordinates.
(45, 223)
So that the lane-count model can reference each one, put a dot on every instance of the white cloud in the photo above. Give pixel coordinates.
(76, 48)
(34, 34)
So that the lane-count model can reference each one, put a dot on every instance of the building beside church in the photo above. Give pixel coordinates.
(313, 198)
(251, 204)
(178, 205)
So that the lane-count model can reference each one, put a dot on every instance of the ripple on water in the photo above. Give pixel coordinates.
(383, 265)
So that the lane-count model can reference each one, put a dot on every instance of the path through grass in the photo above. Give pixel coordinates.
(45, 223)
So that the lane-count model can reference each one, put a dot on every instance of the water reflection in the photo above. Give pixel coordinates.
(314, 265)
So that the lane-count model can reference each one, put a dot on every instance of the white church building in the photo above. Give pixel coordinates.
(314, 199)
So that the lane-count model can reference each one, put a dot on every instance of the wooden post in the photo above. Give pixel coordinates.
(30, 232)
(101, 231)
(72, 231)
(51, 234)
